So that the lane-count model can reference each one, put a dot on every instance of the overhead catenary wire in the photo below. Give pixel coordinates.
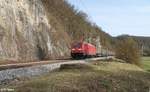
(88, 17)
(82, 2)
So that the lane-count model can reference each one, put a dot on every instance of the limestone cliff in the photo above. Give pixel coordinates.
(25, 32)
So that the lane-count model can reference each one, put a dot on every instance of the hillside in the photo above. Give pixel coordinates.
(32, 30)
(94, 77)
(143, 43)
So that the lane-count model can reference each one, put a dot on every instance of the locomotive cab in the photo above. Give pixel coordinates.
(77, 50)
(82, 50)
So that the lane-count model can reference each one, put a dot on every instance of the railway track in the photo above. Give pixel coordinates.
(29, 64)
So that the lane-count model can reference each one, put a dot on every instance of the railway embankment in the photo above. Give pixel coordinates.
(9, 75)
(95, 76)
(29, 70)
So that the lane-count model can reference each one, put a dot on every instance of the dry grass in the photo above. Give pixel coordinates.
(95, 77)
(116, 66)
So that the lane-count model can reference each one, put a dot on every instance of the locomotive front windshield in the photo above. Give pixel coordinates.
(78, 45)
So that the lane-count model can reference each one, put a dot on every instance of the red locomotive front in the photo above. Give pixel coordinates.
(82, 50)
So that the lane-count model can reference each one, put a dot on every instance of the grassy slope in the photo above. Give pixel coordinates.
(96, 77)
(146, 63)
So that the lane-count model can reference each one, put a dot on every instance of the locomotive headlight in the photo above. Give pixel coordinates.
(73, 49)
(79, 49)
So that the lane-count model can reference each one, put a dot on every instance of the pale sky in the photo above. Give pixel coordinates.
(118, 17)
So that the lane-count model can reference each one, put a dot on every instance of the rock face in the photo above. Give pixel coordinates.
(26, 32)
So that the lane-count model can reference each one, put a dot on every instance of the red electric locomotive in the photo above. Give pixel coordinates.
(82, 50)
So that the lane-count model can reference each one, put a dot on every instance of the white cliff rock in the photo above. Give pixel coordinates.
(25, 31)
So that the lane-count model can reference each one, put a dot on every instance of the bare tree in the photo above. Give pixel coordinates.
(127, 50)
